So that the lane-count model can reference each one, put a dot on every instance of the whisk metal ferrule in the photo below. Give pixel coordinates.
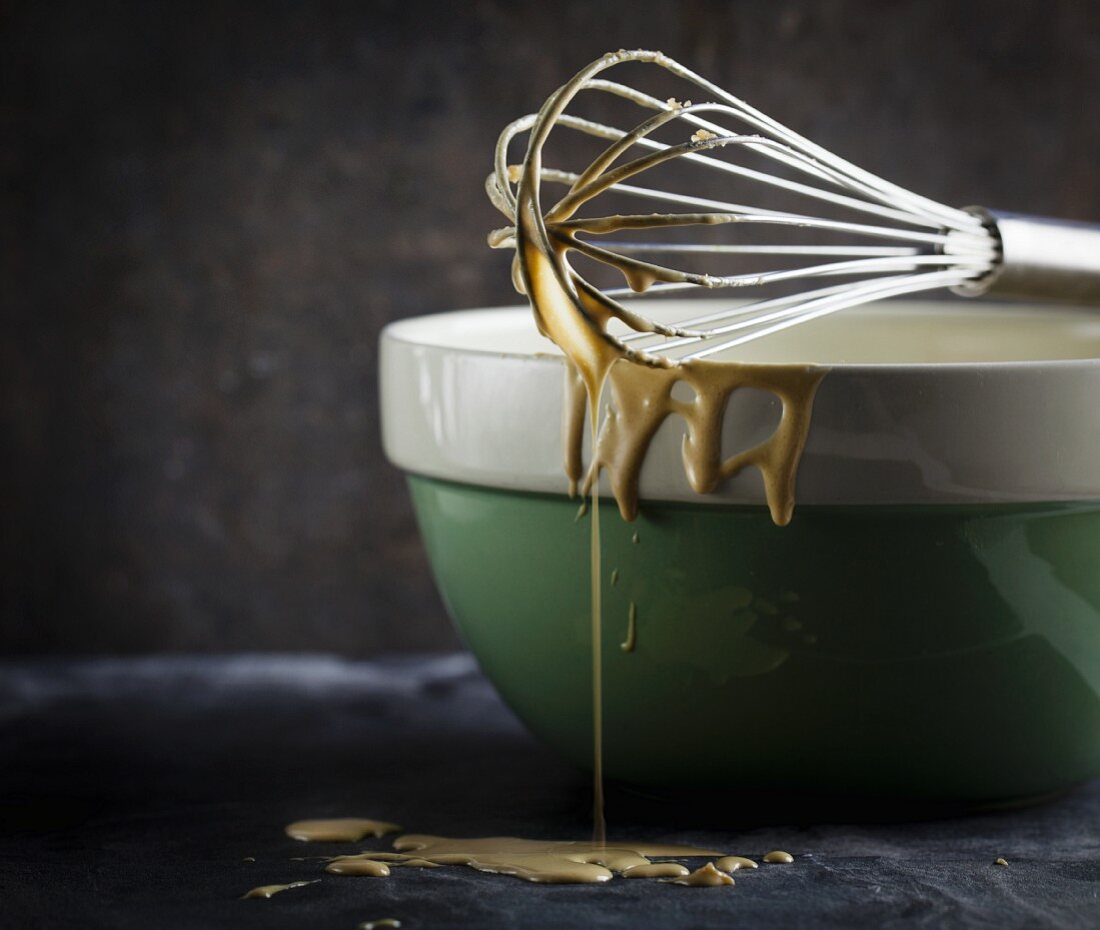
(1040, 258)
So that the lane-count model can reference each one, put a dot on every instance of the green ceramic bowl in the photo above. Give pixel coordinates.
(927, 627)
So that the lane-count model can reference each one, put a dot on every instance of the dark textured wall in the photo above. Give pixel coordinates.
(209, 211)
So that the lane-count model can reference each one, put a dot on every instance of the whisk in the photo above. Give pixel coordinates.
(893, 242)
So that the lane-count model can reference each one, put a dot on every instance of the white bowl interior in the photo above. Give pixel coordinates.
(897, 332)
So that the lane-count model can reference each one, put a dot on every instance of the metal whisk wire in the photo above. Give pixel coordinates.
(916, 244)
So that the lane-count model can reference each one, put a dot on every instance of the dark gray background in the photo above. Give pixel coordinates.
(210, 210)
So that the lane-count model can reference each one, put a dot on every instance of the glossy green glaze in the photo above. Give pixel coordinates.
(939, 653)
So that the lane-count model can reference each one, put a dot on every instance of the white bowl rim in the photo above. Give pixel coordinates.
(900, 432)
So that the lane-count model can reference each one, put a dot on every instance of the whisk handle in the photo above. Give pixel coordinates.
(1041, 258)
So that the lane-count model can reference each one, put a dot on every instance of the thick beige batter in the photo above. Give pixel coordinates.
(550, 862)
(576, 318)
(544, 861)
(266, 891)
(706, 877)
(339, 829)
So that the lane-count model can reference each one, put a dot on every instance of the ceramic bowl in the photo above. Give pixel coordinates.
(926, 627)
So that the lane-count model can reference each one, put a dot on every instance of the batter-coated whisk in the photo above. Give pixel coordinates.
(886, 241)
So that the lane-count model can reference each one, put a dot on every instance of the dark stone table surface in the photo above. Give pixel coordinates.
(132, 792)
